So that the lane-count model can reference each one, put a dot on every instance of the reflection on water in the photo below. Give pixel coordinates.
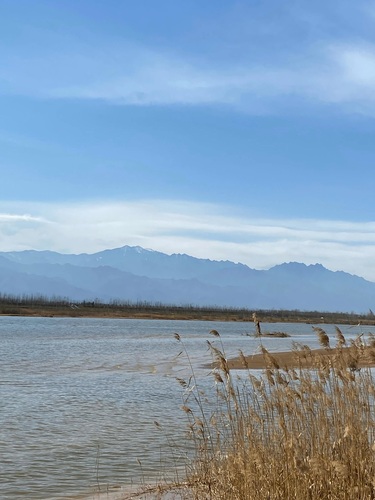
(79, 398)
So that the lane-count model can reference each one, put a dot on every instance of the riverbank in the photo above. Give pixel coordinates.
(307, 358)
(168, 312)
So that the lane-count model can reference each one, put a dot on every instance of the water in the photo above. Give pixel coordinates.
(79, 397)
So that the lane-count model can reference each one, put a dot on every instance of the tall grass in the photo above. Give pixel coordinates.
(286, 433)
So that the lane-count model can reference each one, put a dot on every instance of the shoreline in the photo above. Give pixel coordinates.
(89, 310)
(303, 359)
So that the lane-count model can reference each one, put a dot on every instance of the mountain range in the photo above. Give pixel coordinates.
(134, 274)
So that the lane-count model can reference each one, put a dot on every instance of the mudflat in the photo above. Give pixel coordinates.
(305, 358)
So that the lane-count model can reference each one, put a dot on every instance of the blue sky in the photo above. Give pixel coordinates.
(240, 130)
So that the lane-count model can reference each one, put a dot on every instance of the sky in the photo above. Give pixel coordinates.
(239, 130)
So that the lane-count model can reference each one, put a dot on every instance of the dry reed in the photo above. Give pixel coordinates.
(287, 433)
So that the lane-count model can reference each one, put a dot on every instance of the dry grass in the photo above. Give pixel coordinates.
(287, 433)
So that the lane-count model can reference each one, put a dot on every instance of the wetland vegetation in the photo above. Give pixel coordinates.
(284, 433)
(36, 305)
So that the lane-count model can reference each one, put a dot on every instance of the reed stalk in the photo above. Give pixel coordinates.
(287, 433)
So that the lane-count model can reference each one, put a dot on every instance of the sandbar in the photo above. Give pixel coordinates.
(305, 359)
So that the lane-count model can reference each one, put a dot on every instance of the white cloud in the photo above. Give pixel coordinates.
(202, 230)
(6, 217)
(337, 72)
(154, 78)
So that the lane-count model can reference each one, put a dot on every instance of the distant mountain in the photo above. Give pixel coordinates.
(137, 274)
(136, 260)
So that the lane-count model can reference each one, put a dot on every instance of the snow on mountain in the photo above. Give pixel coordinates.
(138, 274)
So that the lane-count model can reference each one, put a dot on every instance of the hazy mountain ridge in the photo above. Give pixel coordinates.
(136, 274)
(136, 260)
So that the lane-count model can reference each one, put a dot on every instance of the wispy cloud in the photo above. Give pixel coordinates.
(337, 72)
(8, 217)
(202, 230)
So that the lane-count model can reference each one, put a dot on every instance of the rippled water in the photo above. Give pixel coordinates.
(79, 398)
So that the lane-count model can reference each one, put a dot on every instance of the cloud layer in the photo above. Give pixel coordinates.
(336, 72)
(201, 230)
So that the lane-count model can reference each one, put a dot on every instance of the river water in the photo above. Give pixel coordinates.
(79, 398)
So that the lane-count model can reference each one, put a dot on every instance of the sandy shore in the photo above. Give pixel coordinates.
(128, 493)
(291, 359)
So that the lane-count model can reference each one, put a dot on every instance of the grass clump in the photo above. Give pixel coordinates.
(285, 433)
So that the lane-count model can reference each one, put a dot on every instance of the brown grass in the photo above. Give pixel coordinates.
(288, 433)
